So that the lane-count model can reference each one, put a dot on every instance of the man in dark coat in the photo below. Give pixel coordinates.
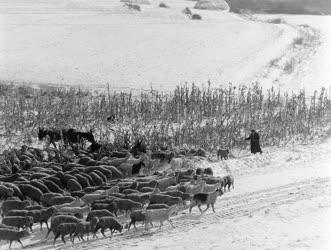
(255, 142)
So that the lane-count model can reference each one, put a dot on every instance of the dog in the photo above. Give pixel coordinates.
(224, 153)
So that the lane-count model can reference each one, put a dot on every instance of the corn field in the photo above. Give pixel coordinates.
(197, 117)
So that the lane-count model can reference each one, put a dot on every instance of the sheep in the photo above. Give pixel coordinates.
(73, 210)
(18, 221)
(9, 205)
(157, 206)
(5, 226)
(160, 215)
(228, 181)
(17, 191)
(41, 215)
(138, 197)
(138, 215)
(89, 178)
(130, 169)
(127, 205)
(208, 171)
(5, 192)
(45, 214)
(210, 188)
(116, 174)
(166, 199)
(32, 192)
(64, 229)
(130, 191)
(146, 189)
(112, 190)
(101, 168)
(36, 207)
(191, 188)
(97, 180)
(108, 222)
(77, 202)
(59, 219)
(45, 198)
(83, 181)
(152, 184)
(176, 164)
(101, 175)
(99, 214)
(58, 200)
(56, 180)
(184, 196)
(88, 199)
(65, 178)
(85, 228)
(111, 207)
(205, 198)
(163, 183)
(53, 187)
(42, 187)
(73, 185)
(13, 235)
(213, 180)
(78, 194)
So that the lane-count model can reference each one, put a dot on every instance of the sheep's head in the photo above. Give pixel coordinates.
(24, 233)
(120, 228)
(175, 209)
(220, 191)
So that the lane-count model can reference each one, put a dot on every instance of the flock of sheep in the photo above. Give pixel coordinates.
(85, 194)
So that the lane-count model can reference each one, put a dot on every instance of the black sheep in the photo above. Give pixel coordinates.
(83, 181)
(43, 188)
(32, 192)
(96, 179)
(108, 222)
(53, 187)
(73, 185)
(101, 175)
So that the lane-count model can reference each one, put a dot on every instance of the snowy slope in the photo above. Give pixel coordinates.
(98, 42)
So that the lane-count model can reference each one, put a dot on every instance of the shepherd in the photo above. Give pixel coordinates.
(255, 142)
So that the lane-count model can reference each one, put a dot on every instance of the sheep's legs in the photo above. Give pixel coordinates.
(10, 244)
(55, 237)
(199, 206)
(62, 237)
(170, 221)
(192, 205)
(49, 231)
(206, 208)
(103, 232)
(212, 206)
(20, 242)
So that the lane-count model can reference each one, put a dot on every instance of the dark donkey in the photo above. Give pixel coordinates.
(68, 136)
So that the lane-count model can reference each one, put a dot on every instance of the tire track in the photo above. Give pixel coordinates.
(232, 206)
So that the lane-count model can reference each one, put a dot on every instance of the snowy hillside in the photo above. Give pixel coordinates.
(99, 42)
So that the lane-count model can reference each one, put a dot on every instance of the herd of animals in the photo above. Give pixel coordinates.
(186, 11)
(98, 190)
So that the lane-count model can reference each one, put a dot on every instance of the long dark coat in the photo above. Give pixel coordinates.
(255, 142)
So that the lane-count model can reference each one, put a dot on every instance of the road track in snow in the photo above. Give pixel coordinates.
(229, 206)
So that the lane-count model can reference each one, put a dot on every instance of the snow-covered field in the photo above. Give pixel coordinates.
(93, 43)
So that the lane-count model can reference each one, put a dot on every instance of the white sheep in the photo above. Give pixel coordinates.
(76, 203)
(160, 215)
(74, 210)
